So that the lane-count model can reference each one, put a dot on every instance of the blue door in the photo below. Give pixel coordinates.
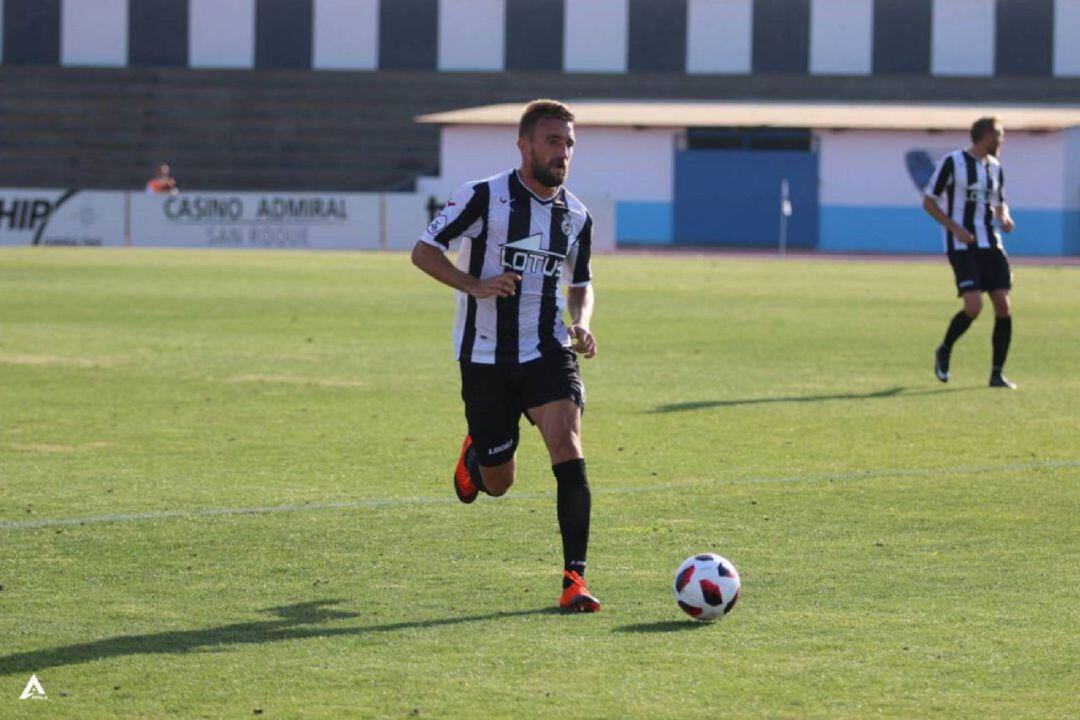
(732, 197)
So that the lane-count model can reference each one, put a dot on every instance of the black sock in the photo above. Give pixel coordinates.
(472, 462)
(574, 504)
(1002, 338)
(957, 326)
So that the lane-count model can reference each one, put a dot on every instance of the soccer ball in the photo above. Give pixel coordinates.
(707, 586)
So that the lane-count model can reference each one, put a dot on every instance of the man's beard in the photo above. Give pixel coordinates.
(544, 174)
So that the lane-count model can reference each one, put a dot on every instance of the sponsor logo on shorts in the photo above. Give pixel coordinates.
(499, 448)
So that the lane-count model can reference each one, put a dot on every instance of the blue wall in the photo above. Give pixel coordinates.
(911, 230)
(643, 223)
(732, 197)
(869, 229)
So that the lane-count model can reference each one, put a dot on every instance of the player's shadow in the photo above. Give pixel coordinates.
(875, 395)
(293, 622)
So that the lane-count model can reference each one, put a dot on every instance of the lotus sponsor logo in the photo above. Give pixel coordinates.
(526, 256)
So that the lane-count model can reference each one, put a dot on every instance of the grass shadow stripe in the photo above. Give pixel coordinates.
(377, 503)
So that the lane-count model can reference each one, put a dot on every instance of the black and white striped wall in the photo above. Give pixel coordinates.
(1034, 38)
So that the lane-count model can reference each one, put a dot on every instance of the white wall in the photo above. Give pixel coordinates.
(595, 33)
(94, 32)
(627, 164)
(1071, 185)
(868, 168)
(718, 36)
(221, 33)
(623, 163)
(841, 37)
(471, 34)
(963, 37)
(1066, 47)
(472, 152)
(345, 34)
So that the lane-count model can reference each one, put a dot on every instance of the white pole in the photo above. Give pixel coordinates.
(785, 213)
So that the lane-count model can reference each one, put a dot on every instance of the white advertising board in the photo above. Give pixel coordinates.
(327, 221)
(332, 221)
(35, 216)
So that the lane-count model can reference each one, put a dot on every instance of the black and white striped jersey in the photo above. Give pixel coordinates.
(972, 187)
(504, 226)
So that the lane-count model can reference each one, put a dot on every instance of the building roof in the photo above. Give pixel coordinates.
(816, 115)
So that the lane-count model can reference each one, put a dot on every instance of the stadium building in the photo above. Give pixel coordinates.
(322, 96)
(851, 175)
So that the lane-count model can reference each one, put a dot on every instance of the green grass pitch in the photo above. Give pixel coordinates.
(224, 492)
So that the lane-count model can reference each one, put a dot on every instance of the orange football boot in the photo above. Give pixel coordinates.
(463, 484)
(576, 597)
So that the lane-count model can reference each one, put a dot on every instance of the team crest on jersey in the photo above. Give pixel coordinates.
(566, 226)
(437, 224)
(526, 256)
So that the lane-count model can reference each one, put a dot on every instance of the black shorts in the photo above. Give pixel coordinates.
(983, 269)
(496, 396)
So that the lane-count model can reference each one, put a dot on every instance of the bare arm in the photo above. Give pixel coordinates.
(932, 208)
(1003, 216)
(580, 301)
(435, 263)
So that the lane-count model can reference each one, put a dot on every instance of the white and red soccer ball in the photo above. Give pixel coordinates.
(707, 586)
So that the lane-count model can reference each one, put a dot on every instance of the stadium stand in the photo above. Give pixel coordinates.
(288, 129)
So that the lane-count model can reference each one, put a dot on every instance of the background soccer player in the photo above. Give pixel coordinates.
(973, 184)
(522, 232)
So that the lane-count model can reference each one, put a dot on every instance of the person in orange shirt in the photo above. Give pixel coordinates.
(162, 184)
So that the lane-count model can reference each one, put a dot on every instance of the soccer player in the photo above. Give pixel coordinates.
(973, 184)
(521, 234)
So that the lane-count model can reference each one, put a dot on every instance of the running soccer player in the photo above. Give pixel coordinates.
(973, 184)
(521, 233)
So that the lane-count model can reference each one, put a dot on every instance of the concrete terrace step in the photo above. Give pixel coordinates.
(297, 129)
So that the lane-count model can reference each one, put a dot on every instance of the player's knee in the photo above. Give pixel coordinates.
(498, 488)
(566, 447)
(972, 307)
(497, 481)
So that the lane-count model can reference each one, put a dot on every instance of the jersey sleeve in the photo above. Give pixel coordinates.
(1001, 186)
(942, 177)
(463, 215)
(578, 260)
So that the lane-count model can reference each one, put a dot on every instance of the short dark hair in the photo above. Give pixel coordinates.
(539, 110)
(982, 126)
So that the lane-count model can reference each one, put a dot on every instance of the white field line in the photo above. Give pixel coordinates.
(377, 503)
